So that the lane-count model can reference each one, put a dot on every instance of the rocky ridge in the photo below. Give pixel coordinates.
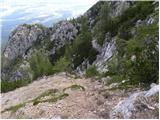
(22, 39)
(103, 94)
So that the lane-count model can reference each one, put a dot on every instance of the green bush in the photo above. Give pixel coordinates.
(61, 65)
(58, 54)
(81, 47)
(104, 23)
(34, 24)
(91, 71)
(112, 66)
(123, 23)
(138, 11)
(73, 21)
(144, 68)
(8, 85)
(40, 65)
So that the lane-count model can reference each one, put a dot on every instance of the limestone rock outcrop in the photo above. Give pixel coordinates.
(23, 38)
(143, 104)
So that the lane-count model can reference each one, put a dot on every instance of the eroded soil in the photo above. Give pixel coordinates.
(93, 102)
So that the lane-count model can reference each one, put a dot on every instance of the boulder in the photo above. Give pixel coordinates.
(143, 104)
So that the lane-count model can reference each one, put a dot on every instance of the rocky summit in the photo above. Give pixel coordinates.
(22, 38)
(102, 64)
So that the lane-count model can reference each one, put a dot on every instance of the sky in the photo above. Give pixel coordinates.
(46, 12)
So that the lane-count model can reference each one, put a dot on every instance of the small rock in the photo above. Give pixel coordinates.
(152, 85)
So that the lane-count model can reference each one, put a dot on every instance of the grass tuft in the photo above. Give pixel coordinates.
(75, 87)
(14, 108)
(54, 94)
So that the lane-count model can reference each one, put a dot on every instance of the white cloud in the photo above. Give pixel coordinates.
(41, 8)
(6, 10)
(16, 12)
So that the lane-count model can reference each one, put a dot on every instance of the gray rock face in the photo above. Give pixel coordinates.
(96, 46)
(63, 33)
(118, 7)
(22, 38)
(80, 70)
(105, 54)
(143, 102)
(22, 72)
(153, 91)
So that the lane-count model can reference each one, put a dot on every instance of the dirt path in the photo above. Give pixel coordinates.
(90, 103)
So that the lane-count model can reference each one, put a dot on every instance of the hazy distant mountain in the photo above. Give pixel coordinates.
(15, 12)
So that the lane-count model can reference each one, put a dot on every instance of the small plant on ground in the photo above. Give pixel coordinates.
(91, 71)
(75, 87)
(52, 99)
(7, 85)
(14, 108)
(61, 65)
(54, 95)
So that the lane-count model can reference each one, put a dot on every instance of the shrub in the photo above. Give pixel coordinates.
(81, 46)
(34, 24)
(144, 68)
(112, 66)
(91, 71)
(61, 65)
(59, 53)
(92, 55)
(104, 23)
(40, 65)
(138, 11)
(73, 21)
(7, 85)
